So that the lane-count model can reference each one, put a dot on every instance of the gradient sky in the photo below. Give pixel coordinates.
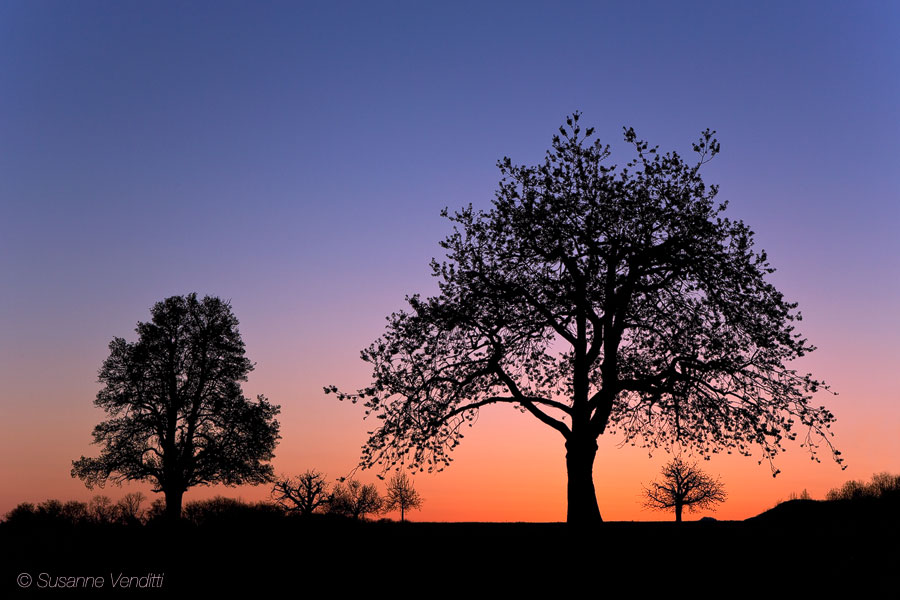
(294, 158)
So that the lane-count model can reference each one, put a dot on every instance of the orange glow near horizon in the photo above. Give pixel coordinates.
(508, 468)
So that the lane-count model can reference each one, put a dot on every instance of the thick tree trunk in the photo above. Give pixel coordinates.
(173, 505)
(678, 513)
(582, 509)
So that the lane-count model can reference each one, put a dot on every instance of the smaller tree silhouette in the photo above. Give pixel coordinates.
(401, 495)
(102, 510)
(303, 494)
(128, 508)
(684, 485)
(353, 499)
(883, 485)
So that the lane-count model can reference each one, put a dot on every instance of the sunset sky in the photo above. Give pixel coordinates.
(294, 158)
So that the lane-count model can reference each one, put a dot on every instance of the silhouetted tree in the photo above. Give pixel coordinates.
(156, 511)
(23, 515)
(883, 485)
(177, 416)
(228, 512)
(303, 494)
(128, 508)
(353, 499)
(401, 495)
(76, 512)
(597, 300)
(53, 512)
(804, 495)
(683, 485)
(102, 510)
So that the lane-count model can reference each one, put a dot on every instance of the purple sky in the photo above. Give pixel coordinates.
(294, 157)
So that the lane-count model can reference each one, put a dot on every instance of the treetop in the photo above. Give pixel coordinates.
(596, 298)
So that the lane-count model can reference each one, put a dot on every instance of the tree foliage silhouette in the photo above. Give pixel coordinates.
(129, 508)
(303, 494)
(883, 486)
(355, 499)
(402, 495)
(177, 415)
(683, 485)
(598, 300)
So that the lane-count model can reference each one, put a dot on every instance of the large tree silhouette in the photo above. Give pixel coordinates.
(177, 415)
(597, 299)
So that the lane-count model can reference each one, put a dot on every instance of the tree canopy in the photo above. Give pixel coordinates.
(177, 415)
(598, 299)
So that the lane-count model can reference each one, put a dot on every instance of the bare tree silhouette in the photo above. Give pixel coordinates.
(128, 508)
(683, 485)
(356, 500)
(883, 486)
(598, 300)
(177, 416)
(402, 495)
(303, 494)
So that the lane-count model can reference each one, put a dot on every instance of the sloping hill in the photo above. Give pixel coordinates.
(863, 511)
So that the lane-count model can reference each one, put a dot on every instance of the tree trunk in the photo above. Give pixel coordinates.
(678, 508)
(173, 505)
(582, 509)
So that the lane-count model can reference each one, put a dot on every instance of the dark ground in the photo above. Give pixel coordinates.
(800, 546)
